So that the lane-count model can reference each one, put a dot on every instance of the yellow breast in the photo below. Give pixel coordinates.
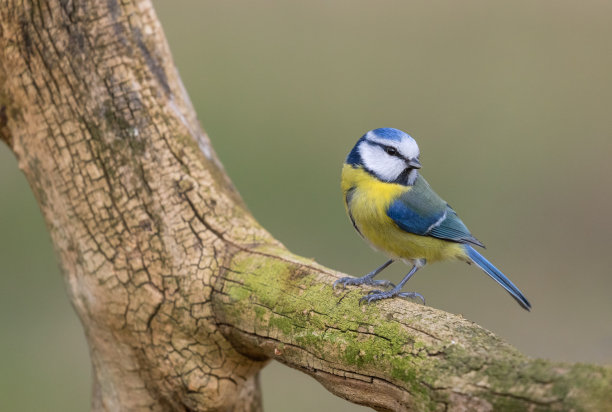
(367, 203)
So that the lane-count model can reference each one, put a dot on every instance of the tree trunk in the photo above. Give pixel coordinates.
(183, 296)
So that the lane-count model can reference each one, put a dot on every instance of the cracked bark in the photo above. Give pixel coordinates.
(183, 296)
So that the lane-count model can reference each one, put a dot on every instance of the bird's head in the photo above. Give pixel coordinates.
(388, 154)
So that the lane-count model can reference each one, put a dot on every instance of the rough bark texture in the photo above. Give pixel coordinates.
(183, 296)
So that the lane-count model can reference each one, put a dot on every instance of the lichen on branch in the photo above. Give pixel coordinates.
(395, 355)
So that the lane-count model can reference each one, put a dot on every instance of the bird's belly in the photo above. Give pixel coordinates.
(370, 217)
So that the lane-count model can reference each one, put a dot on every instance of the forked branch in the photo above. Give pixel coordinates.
(183, 296)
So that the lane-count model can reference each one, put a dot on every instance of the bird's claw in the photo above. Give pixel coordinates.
(365, 280)
(412, 295)
(375, 295)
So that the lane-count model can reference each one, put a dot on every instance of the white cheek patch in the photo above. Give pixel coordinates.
(385, 167)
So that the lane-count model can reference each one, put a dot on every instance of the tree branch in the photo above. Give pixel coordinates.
(391, 356)
(183, 296)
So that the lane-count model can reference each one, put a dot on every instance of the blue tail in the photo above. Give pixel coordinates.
(499, 277)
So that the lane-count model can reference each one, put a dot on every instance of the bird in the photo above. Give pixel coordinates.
(395, 210)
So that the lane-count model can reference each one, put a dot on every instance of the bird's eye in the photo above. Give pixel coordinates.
(391, 151)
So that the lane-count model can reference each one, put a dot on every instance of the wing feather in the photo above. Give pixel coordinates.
(421, 211)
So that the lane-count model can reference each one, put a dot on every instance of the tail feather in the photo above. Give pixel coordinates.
(499, 277)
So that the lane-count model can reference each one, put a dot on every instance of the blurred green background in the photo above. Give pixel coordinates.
(511, 103)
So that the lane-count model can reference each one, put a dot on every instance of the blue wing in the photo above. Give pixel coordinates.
(422, 212)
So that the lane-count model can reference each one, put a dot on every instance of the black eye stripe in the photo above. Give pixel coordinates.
(391, 151)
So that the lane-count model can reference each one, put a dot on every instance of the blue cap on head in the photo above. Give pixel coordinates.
(389, 133)
(385, 136)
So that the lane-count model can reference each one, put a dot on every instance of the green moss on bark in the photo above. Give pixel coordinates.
(432, 355)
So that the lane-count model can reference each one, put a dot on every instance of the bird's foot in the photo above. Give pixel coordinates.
(364, 280)
(395, 292)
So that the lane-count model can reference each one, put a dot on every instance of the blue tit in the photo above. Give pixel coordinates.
(394, 209)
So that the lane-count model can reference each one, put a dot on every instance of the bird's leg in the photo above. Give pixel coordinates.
(367, 279)
(396, 291)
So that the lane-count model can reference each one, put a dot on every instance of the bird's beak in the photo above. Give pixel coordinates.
(414, 163)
